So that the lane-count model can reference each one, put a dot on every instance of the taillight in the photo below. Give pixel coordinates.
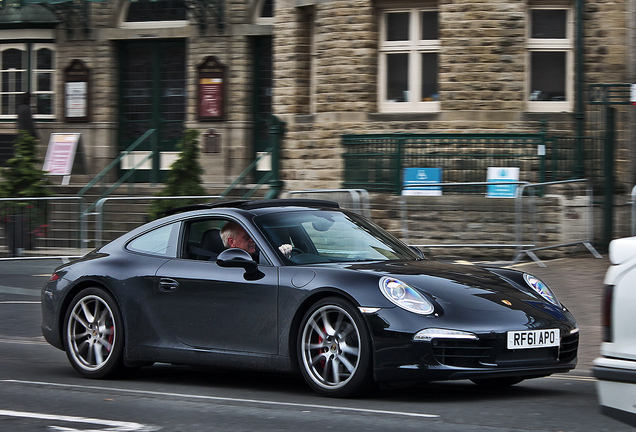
(54, 277)
(606, 313)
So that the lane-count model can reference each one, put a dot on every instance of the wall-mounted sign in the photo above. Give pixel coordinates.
(416, 179)
(211, 90)
(76, 93)
(501, 176)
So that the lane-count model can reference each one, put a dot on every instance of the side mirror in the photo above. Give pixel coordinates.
(418, 251)
(236, 257)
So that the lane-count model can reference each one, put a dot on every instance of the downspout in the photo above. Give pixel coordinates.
(631, 59)
(579, 79)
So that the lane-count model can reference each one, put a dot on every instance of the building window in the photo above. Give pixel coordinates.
(156, 10)
(27, 67)
(550, 45)
(409, 61)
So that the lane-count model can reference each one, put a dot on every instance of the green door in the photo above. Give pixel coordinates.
(152, 96)
(262, 48)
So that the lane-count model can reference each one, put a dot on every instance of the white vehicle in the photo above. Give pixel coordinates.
(616, 368)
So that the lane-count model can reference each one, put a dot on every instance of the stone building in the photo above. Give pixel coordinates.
(325, 67)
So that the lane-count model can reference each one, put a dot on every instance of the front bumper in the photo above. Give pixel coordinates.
(616, 387)
(398, 358)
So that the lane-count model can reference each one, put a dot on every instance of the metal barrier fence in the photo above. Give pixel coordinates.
(538, 217)
(42, 227)
(570, 202)
(633, 210)
(110, 225)
(473, 220)
(357, 200)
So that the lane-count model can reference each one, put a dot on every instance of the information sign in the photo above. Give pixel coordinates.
(415, 180)
(502, 175)
(60, 153)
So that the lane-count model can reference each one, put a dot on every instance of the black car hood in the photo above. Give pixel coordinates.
(464, 286)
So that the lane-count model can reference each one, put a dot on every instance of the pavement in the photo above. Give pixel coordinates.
(578, 283)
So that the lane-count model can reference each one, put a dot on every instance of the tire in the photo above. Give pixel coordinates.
(497, 383)
(334, 349)
(94, 334)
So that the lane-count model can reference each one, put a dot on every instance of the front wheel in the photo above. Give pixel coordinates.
(94, 334)
(334, 349)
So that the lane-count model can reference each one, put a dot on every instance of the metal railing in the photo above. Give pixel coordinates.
(150, 133)
(42, 226)
(121, 226)
(375, 161)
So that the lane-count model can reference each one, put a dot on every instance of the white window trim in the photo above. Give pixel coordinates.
(22, 47)
(34, 92)
(31, 74)
(414, 47)
(555, 45)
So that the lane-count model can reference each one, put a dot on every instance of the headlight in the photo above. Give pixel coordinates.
(541, 288)
(405, 296)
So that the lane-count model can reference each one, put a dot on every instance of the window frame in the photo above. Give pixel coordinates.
(414, 47)
(29, 51)
(33, 80)
(565, 45)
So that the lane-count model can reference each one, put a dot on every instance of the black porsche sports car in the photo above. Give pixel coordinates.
(324, 292)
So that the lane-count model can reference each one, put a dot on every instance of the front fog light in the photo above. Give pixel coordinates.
(429, 334)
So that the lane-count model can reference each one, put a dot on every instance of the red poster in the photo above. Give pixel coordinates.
(211, 100)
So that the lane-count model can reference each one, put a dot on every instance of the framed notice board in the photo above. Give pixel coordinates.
(211, 87)
(76, 92)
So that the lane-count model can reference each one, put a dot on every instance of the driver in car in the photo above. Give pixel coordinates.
(234, 236)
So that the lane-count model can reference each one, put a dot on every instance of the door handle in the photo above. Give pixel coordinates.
(166, 284)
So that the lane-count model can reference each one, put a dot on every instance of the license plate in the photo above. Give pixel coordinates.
(533, 339)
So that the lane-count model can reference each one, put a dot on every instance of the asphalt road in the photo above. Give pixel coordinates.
(39, 391)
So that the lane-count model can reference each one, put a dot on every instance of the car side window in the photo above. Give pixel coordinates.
(160, 241)
(203, 239)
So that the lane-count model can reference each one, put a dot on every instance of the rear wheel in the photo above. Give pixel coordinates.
(94, 334)
(334, 349)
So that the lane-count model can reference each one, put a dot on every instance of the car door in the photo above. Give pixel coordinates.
(212, 307)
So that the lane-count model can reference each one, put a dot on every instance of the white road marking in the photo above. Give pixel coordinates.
(24, 341)
(572, 377)
(227, 399)
(113, 425)
(19, 302)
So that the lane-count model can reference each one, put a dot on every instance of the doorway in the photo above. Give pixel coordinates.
(152, 96)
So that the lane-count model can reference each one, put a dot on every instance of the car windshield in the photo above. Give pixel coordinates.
(320, 236)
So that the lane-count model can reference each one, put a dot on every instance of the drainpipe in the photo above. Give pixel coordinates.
(579, 79)
(277, 128)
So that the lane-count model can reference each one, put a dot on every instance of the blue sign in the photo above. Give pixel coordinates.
(502, 175)
(416, 179)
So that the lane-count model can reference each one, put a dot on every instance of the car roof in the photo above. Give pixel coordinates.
(257, 204)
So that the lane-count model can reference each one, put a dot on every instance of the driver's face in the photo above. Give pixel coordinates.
(243, 241)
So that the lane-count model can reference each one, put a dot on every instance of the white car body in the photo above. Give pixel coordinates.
(616, 368)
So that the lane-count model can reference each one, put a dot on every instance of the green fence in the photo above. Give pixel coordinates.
(376, 162)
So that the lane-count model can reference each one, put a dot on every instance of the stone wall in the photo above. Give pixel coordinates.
(483, 68)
